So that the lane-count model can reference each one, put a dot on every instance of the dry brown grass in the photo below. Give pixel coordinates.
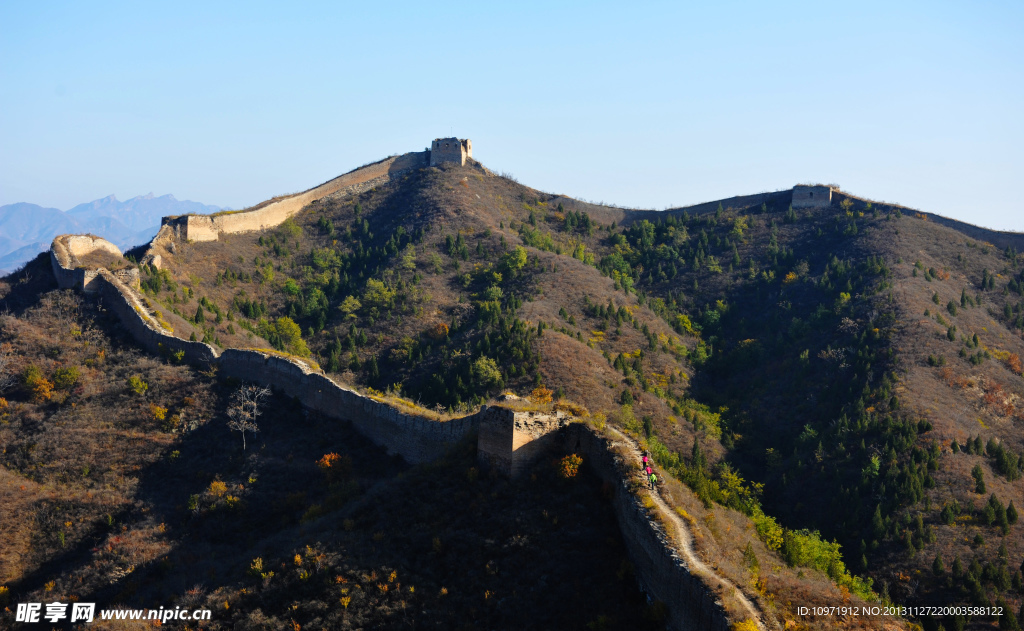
(71, 465)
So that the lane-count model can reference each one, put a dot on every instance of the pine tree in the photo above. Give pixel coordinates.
(947, 516)
(697, 459)
(979, 475)
(958, 567)
(1007, 621)
(937, 566)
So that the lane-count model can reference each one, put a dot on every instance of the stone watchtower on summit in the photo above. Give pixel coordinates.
(450, 150)
(812, 196)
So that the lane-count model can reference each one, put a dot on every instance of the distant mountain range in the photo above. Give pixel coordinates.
(27, 229)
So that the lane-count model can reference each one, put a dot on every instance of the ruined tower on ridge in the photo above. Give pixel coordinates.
(805, 196)
(450, 150)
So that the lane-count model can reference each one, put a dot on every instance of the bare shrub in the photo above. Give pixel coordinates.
(246, 404)
(7, 376)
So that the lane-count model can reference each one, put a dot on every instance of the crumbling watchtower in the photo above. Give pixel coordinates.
(450, 150)
(805, 196)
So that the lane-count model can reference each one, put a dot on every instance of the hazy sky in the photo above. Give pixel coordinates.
(647, 106)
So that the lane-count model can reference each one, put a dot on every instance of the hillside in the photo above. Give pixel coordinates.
(831, 395)
(122, 484)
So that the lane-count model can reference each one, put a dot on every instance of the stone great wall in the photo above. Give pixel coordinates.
(510, 441)
(414, 437)
(275, 212)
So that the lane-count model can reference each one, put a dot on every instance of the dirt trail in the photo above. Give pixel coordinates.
(693, 560)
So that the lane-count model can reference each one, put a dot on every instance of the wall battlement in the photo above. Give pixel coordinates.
(508, 440)
(662, 572)
(67, 252)
(812, 196)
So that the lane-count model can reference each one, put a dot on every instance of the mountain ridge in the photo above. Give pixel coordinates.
(824, 408)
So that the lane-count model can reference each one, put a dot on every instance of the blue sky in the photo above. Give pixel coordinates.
(654, 105)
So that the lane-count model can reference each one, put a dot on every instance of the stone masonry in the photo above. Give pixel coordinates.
(510, 442)
(507, 440)
(812, 196)
(451, 150)
(210, 227)
(664, 575)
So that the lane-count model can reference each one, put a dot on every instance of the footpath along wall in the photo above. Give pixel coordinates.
(664, 574)
(512, 441)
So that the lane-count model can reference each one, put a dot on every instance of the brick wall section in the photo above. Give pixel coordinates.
(415, 438)
(209, 227)
(812, 196)
(63, 268)
(508, 440)
(64, 252)
(494, 440)
(135, 317)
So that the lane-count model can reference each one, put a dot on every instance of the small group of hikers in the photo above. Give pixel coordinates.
(653, 479)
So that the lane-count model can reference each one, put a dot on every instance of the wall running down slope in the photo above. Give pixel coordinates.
(415, 438)
(663, 573)
(511, 442)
